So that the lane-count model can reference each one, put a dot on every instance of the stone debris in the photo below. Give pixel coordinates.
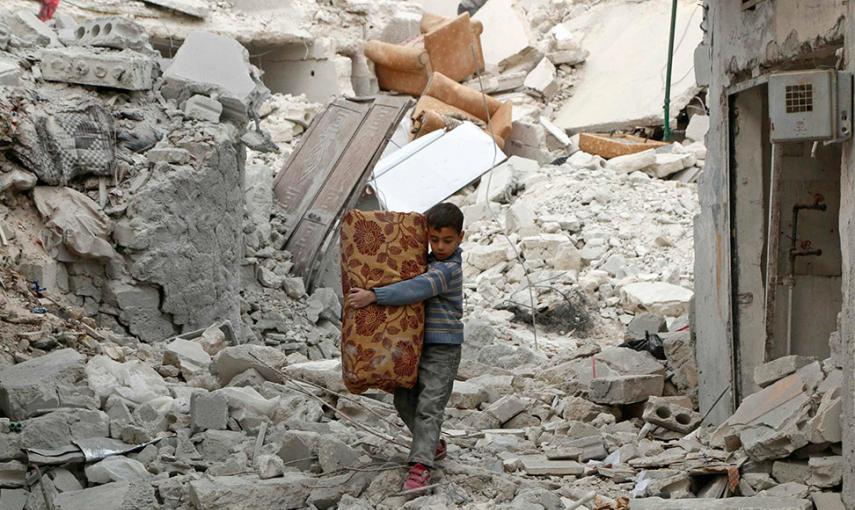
(169, 317)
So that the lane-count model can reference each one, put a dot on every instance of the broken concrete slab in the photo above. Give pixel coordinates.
(208, 411)
(13, 499)
(784, 471)
(194, 8)
(680, 355)
(326, 373)
(236, 359)
(827, 501)
(334, 455)
(591, 447)
(188, 356)
(201, 107)
(10, 73)
(467, 395)
(697, 128)
(115, 469)
(825, 427)
(13, 474)
(458, 157)
(32, 387)
(667, 164)
(299, 448)
(752, 503)
(506, 408)
(126, 495)
(539, 465)
(542, 79)
(627, 389)
(126, 70)
(209, 64)
(618, 36)
(657, 297)
(323, 304)
(771, 371)
(825, 471)
(134, 381)
(28, 27)
(506, 38)
(250, 492)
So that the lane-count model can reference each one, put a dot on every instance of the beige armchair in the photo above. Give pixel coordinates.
(444, 102)
(451, 47)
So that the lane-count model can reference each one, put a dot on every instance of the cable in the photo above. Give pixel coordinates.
(490, 208)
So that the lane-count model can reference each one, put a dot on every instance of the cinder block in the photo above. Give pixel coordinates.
(112, 32)
(208, 411)
(671, 416)
(127, 70)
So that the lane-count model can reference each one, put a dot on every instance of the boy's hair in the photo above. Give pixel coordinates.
(445, 215)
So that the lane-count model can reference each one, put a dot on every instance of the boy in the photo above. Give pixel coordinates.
(422, 406)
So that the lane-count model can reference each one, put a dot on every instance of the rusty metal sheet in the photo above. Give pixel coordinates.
(322, 193)
(315, 158)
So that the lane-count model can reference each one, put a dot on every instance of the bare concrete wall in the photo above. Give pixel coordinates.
(847, 321)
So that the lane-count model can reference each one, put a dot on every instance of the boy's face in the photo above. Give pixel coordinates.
(443, 241)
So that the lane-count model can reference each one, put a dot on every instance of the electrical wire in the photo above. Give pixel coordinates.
(490, 208)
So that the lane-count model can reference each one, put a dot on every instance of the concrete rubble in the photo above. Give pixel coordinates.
(148, 299)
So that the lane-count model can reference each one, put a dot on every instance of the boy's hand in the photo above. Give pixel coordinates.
(360, 298)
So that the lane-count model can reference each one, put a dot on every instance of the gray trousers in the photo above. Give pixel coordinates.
(422, 407)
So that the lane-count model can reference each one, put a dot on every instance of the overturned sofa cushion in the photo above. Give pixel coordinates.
(381, 345)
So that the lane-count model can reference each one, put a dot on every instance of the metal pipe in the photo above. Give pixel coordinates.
(666, 135)
(773, 240)
(817, 205)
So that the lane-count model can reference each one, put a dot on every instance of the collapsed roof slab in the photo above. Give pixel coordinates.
(623, 83)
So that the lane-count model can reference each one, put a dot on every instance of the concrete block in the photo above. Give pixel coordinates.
(567, 258)
(13, 474)
(208, 63)
(194, 8)
(467, 395)
(235, 359)
(626, 389)
(294, 287)
(670, 163)
(645, 323)
(590, 447)
(787, 490)
(251, 493)
(506, 38)
(125, 495)
(299, 448)
(483, 257)
(632, 162)
(752, 503)
(126, 70)
(402, 26)
(114, 469)
(657, 297)
(31, 387)
(542, 79)
(323, 304)
(13, 499)
(326, 373)
(10, 74)
(570, 57)
(697, 128)
(784, 471)
(768, 373)
(201, 107)
(520, 218)
(827, 501)
(542, 246)
(27, 26)
(825, 427)
(269, 466)
(109, 32)
(680, 355)
(171, 155)
(188, 356)
(506, 408)
(208, 411)
(334, 455)
(671, 416)
(826, 471)
(536, 465)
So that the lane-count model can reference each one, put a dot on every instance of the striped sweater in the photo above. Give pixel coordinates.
(441, 287)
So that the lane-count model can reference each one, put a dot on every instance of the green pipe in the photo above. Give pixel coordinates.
(667, 133)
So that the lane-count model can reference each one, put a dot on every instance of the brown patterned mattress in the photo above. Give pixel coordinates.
(381, 345)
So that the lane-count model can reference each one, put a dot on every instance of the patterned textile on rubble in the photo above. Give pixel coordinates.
(381, 345)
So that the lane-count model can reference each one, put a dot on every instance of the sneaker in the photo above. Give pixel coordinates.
(418, 478)
(441, 450)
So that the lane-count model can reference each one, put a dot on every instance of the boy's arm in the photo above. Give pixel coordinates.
(419, 288)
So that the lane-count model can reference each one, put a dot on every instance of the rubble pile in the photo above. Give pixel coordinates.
(158, 350)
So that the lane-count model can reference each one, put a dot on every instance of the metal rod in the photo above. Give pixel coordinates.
(667, 132)
(773, 241)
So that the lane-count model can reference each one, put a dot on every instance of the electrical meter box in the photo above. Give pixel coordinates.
(813, 105)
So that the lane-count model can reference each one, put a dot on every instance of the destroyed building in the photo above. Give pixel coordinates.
(172, 175)
(774, 237)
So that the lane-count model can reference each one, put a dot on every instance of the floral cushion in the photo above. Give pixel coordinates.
(381, 345)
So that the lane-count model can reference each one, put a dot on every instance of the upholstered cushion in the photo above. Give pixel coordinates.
(381, 345)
